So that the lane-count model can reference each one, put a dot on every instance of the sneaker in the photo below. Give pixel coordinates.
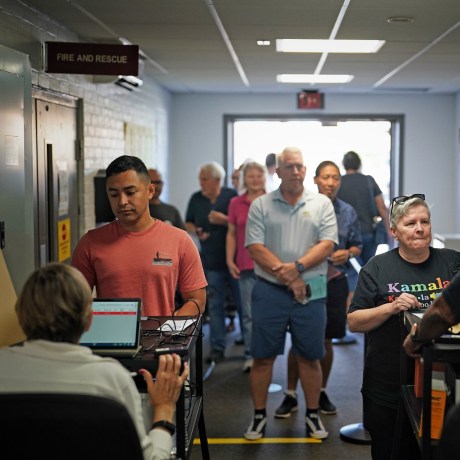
(215, 356)
(315, 427)
(256, 429)
(288, 406)
(325, 404)
(248, 365)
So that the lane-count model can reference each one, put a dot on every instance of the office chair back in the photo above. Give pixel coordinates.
(66, 427)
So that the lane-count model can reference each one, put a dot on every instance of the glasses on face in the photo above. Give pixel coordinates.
(403, 198)
(157, 182)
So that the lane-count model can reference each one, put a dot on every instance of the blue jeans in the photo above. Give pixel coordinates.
(369, 247)
(247, 281)
(219, 282)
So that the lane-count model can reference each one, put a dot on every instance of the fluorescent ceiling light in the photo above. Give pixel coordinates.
(328, 46)
(312, 78)
(263, 42)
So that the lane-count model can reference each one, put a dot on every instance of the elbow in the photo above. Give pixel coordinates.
(352, 326)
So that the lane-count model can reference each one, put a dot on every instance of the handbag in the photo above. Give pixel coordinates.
(378, 228)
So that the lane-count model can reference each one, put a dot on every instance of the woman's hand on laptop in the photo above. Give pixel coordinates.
(164, 390)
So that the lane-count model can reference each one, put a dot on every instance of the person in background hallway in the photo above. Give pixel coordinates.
(359, 191)
(238, 260)
(289, 233)
(342, 279)
(54, 309)
(159, 210)
(206, 218)
(273, 181)
(231, 307)
(139, 256)
(409, 276)
(236, 182)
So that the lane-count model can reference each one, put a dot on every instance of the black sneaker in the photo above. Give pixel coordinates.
(315, 427)
(325, 404)
(256, 429)
(288, 406)
(215, 356)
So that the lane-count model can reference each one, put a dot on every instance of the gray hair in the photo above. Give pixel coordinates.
(400, 210)
(293, 150)
(215, 170)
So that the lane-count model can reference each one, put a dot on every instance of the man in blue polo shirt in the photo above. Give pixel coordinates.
(290, 233)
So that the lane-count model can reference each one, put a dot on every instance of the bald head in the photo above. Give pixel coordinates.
(157, 181)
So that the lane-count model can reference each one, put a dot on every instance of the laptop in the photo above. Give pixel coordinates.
(115, 329)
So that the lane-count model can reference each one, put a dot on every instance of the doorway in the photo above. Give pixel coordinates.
(375, 139)
(56, 153)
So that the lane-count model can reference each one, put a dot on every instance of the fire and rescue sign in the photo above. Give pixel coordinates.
(63, 240)
(92, 59)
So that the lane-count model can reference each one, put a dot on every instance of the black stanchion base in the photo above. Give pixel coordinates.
(355, 433)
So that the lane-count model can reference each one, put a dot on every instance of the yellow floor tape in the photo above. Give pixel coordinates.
(260, 441)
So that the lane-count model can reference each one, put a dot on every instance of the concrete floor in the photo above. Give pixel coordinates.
(228, 409)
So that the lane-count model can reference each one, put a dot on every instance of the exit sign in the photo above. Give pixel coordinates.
(310, 100)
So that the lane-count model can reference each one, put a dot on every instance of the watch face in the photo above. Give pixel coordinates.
(300, 268)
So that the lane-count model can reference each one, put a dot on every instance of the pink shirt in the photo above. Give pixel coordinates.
(148, 264)
(238, 215)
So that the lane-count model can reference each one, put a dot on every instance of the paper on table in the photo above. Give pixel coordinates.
(176, 325)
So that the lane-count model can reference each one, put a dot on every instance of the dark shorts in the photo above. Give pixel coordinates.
(337, 293)
(274, 311)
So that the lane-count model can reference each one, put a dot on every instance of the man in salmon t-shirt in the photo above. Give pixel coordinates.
(139, 256)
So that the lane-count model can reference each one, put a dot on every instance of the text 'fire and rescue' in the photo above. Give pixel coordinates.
(100, 58)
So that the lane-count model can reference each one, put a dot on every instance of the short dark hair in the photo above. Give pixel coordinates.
(127, 163)
(270, 160)
(324, 164)
(351, 160)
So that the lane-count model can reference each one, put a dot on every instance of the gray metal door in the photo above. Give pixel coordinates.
(57, 184)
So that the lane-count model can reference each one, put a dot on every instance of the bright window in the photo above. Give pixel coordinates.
(321, 140)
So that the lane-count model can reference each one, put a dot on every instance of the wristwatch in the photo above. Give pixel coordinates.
(166, 425)
(299, 266)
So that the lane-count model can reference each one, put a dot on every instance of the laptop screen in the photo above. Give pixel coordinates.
(115, 324)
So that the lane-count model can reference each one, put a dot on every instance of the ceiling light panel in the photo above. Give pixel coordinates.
(312, 78)
(328, 46)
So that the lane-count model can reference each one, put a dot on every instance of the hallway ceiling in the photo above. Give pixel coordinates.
(183, 41)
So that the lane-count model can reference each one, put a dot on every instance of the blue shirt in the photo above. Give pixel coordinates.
(349, 229)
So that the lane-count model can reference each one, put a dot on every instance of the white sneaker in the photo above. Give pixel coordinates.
(256, 429)
(248, 365)
(315, 427)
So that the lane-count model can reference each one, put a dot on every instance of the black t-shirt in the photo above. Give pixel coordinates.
(384, 278)
(355, 190)
(199, 207)
(167, 213)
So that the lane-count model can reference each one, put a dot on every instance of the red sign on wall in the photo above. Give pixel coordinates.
(92, 59)
(310, 100)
